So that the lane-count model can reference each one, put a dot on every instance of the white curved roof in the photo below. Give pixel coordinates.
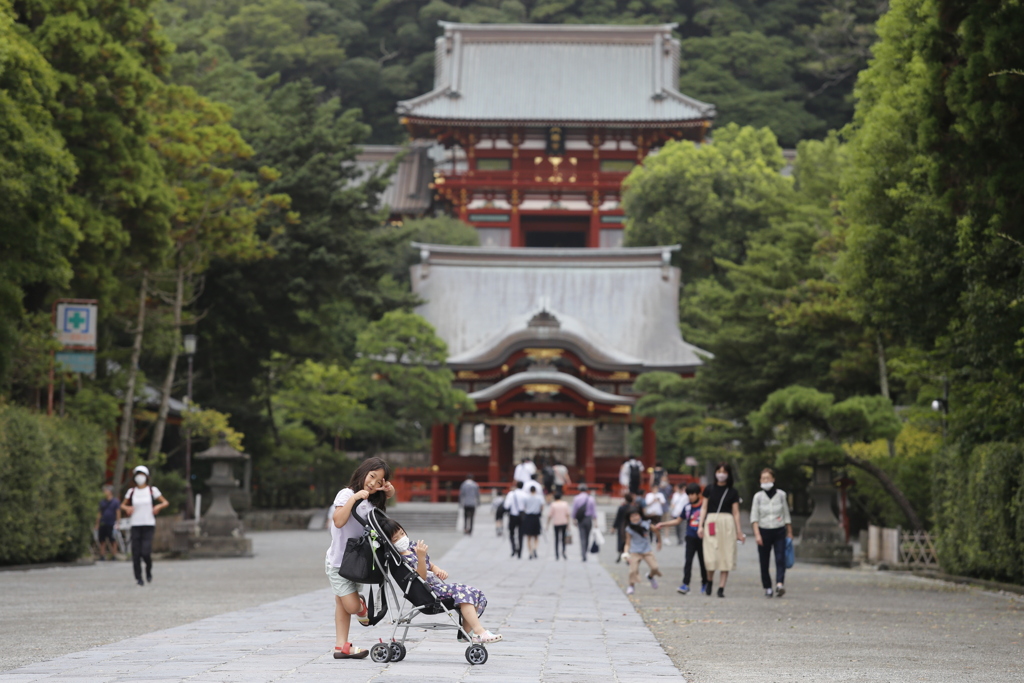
(626, 300)
(556, 73)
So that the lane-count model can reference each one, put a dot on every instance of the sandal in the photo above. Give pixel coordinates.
(353, 652)
(486, 637)
(364, 615)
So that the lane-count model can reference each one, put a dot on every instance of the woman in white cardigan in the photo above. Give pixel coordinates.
(769, 515)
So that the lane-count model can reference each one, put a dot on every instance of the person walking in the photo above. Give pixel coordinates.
(533, 508)
(621, 519)
(584, 512)
(469, 499)
(559, 514)
(514, 508)
(109, 515)
(498, 508)
(524, 471)
(631, 474)
(769, 515)
(367, 489)
(719, 527)
(688, 518)
(561, 477)
(143, 503)
(676, 504)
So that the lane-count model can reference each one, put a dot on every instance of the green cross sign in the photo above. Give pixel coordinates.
(77, 319)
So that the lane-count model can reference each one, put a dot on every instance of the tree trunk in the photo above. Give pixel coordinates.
(883, 382)
(125, 441)
(890, 487)
(172, 367)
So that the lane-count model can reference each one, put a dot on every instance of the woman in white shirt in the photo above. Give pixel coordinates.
(143, 502)
(769, 515)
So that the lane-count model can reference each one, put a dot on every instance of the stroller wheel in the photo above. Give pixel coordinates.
(397, 652)
(476, 654)
(380, 653)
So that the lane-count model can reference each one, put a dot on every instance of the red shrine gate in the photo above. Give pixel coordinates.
(550, 321)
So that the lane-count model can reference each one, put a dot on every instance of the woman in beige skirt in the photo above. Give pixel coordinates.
(720, 526)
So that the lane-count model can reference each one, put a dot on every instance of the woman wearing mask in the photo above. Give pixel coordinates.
(769, 515)
(720, 526)
(143, 503)
(367, 489)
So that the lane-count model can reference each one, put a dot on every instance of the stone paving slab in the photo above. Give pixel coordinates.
(563, 622)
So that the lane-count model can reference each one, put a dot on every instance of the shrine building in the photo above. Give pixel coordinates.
(550, 321)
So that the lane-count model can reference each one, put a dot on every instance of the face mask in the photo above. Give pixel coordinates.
(140, 479)
(722, 477)
(768, 486)
(402, 544)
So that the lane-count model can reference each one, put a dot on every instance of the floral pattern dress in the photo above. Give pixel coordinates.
(459, 592)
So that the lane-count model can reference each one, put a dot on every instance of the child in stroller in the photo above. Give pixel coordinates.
(470, 601)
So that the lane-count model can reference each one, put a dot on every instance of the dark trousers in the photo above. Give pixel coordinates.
(772, 539)
(585, 527)
(467, 519)
(620, 540)
(515, 534)
(560, 538)
(142, 549)
(694, 546)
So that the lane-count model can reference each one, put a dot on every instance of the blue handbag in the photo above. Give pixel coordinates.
(790, 554)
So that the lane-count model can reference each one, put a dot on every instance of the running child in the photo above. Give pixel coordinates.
(470, 601)
(638, 547)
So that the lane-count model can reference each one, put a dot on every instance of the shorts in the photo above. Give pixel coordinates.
(339, 584)
(106, 532)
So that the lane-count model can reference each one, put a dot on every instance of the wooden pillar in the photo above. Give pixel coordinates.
(515, 225)
(590, 465)
(437, 444)
(650, 443)
(494, 463)
(594, 235)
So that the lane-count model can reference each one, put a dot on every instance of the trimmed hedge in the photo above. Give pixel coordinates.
(51, 471)
(979, 510)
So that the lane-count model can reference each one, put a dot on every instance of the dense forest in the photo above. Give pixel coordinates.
(189, 165)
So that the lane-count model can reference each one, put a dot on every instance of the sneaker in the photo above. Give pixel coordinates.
(684, 589)
(767, 592)
(141, 582)
(486, 637)
(654, 582)
(780, 590)
(629, 591)
(350, 651)
(721, 592)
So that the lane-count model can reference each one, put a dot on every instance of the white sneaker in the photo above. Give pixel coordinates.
(629, 591)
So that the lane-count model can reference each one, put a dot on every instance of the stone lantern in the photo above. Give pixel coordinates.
(220, 532)
(822, 540)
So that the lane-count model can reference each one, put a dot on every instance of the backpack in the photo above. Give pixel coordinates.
(581, 512)
(634, 477)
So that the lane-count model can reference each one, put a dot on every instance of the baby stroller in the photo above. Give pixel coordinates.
(419, 601)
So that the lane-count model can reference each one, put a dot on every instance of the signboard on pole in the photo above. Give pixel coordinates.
(83, 362)
(76, 324)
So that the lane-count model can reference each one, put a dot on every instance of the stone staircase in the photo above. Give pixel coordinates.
(426, 516)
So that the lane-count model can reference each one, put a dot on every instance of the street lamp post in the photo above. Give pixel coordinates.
(189, 342)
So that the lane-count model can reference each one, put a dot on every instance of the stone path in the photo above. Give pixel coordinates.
(562, 621)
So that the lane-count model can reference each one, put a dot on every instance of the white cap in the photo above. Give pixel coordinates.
(141, 468)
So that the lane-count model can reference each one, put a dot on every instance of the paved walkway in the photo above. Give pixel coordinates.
(562, 621)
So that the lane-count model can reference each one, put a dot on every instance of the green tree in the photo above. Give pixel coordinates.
(812, 427)
(37, 235)
(409, 388)
(708, 198)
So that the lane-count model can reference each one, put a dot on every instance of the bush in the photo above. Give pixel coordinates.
(979, 510)
(51, 470)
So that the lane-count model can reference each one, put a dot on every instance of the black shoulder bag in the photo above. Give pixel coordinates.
(359, 564)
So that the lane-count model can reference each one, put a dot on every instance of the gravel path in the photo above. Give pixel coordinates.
(45, 613)
(832, 625)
